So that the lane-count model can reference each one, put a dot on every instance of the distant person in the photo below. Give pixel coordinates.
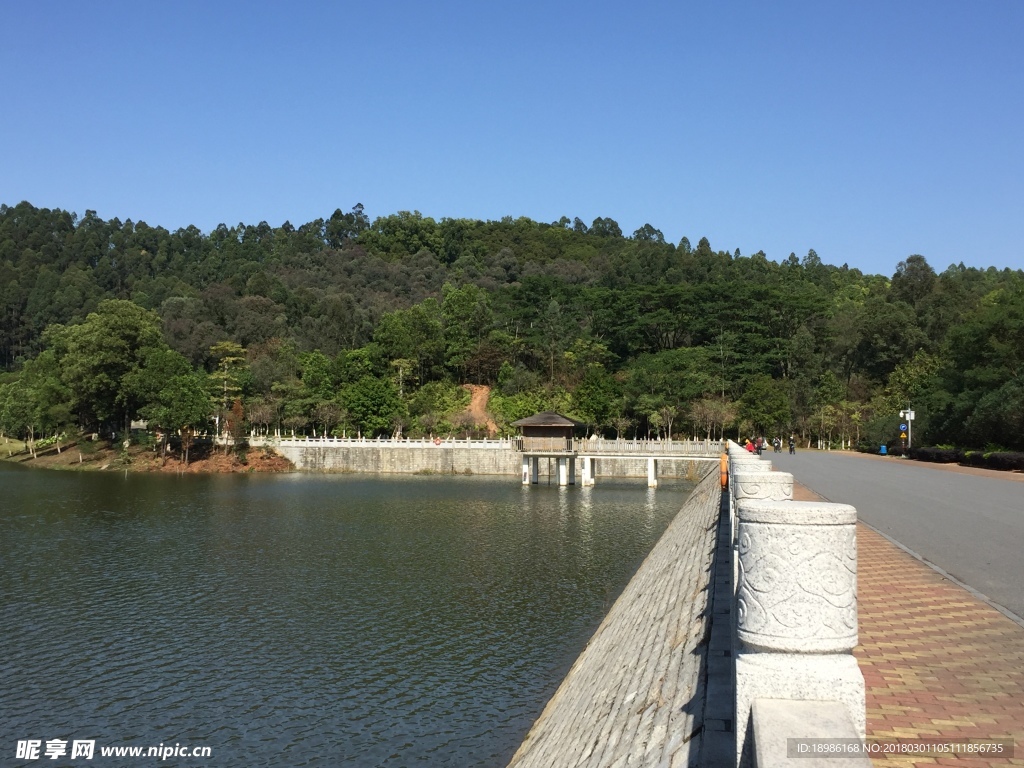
(749, 446)
(777, 445)
(792, 444)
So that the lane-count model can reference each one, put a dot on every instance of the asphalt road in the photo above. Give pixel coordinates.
(971, 527)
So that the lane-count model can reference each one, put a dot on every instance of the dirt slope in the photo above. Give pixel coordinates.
(479, 395)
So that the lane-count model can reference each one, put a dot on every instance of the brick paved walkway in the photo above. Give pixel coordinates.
(938, 663)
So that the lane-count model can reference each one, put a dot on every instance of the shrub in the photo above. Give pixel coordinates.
(866, 447)
(973, 459)
(939, 455)
(1006, 461)
(1002, 460)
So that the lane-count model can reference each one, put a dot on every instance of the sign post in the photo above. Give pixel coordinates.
(907, 428)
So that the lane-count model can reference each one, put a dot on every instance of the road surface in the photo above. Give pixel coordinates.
(970, 526)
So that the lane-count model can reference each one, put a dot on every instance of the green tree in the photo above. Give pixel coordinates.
(230, 359)
(183, 406)
(356, 364)
(827, 406)
(158, 366)
(914, 281)
(466, 314)
(711, 415)
(342, 227)
(983, 379)
(910, 379)
(373, 403)
(318, 383)
(673, 378)
(556, 335)
(226, 381)
(647, 233)
(765, 405)
(605, 227)
(596, 397)
(415, 334)
(100, 359)
(434, 405)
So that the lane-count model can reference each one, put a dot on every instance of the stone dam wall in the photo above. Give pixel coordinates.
(635, 696)
(453, 459)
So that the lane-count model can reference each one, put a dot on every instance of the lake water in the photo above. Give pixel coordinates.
(302, 620)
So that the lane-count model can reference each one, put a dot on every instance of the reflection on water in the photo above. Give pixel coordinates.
(304, 619)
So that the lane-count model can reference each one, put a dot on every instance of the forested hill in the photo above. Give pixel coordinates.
(344, 323)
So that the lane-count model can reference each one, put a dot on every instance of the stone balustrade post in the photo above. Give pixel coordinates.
(752, 480)
(796, 605)
(745, 468)
(743, 463)
(755, 483)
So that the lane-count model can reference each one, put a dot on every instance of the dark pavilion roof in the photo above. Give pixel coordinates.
(547, 419)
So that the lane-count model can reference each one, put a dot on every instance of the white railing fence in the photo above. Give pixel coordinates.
(258, 441)
(640, 448)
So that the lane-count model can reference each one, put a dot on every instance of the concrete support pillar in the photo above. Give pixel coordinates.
(572, 470)
(563, 474)
(796, 609)
(652, 473)
(587, 468)
(535, 471)
(526, 470)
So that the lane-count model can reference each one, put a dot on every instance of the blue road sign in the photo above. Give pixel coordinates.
(903, 427)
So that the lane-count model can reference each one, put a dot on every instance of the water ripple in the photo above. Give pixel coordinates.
(304, 620)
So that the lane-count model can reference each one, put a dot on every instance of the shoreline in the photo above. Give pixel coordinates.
(105, 457)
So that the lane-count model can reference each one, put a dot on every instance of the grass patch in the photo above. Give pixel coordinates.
(9, 447)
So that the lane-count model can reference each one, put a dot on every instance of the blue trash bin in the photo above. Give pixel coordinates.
(883, 451)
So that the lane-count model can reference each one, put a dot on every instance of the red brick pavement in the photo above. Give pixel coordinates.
(938, 663)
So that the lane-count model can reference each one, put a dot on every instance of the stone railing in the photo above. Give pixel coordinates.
(600, 446)
(794, 615)
(542, 444)
(711, 448)
(258, 441)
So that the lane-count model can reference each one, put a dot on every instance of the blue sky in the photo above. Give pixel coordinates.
(868, 131)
